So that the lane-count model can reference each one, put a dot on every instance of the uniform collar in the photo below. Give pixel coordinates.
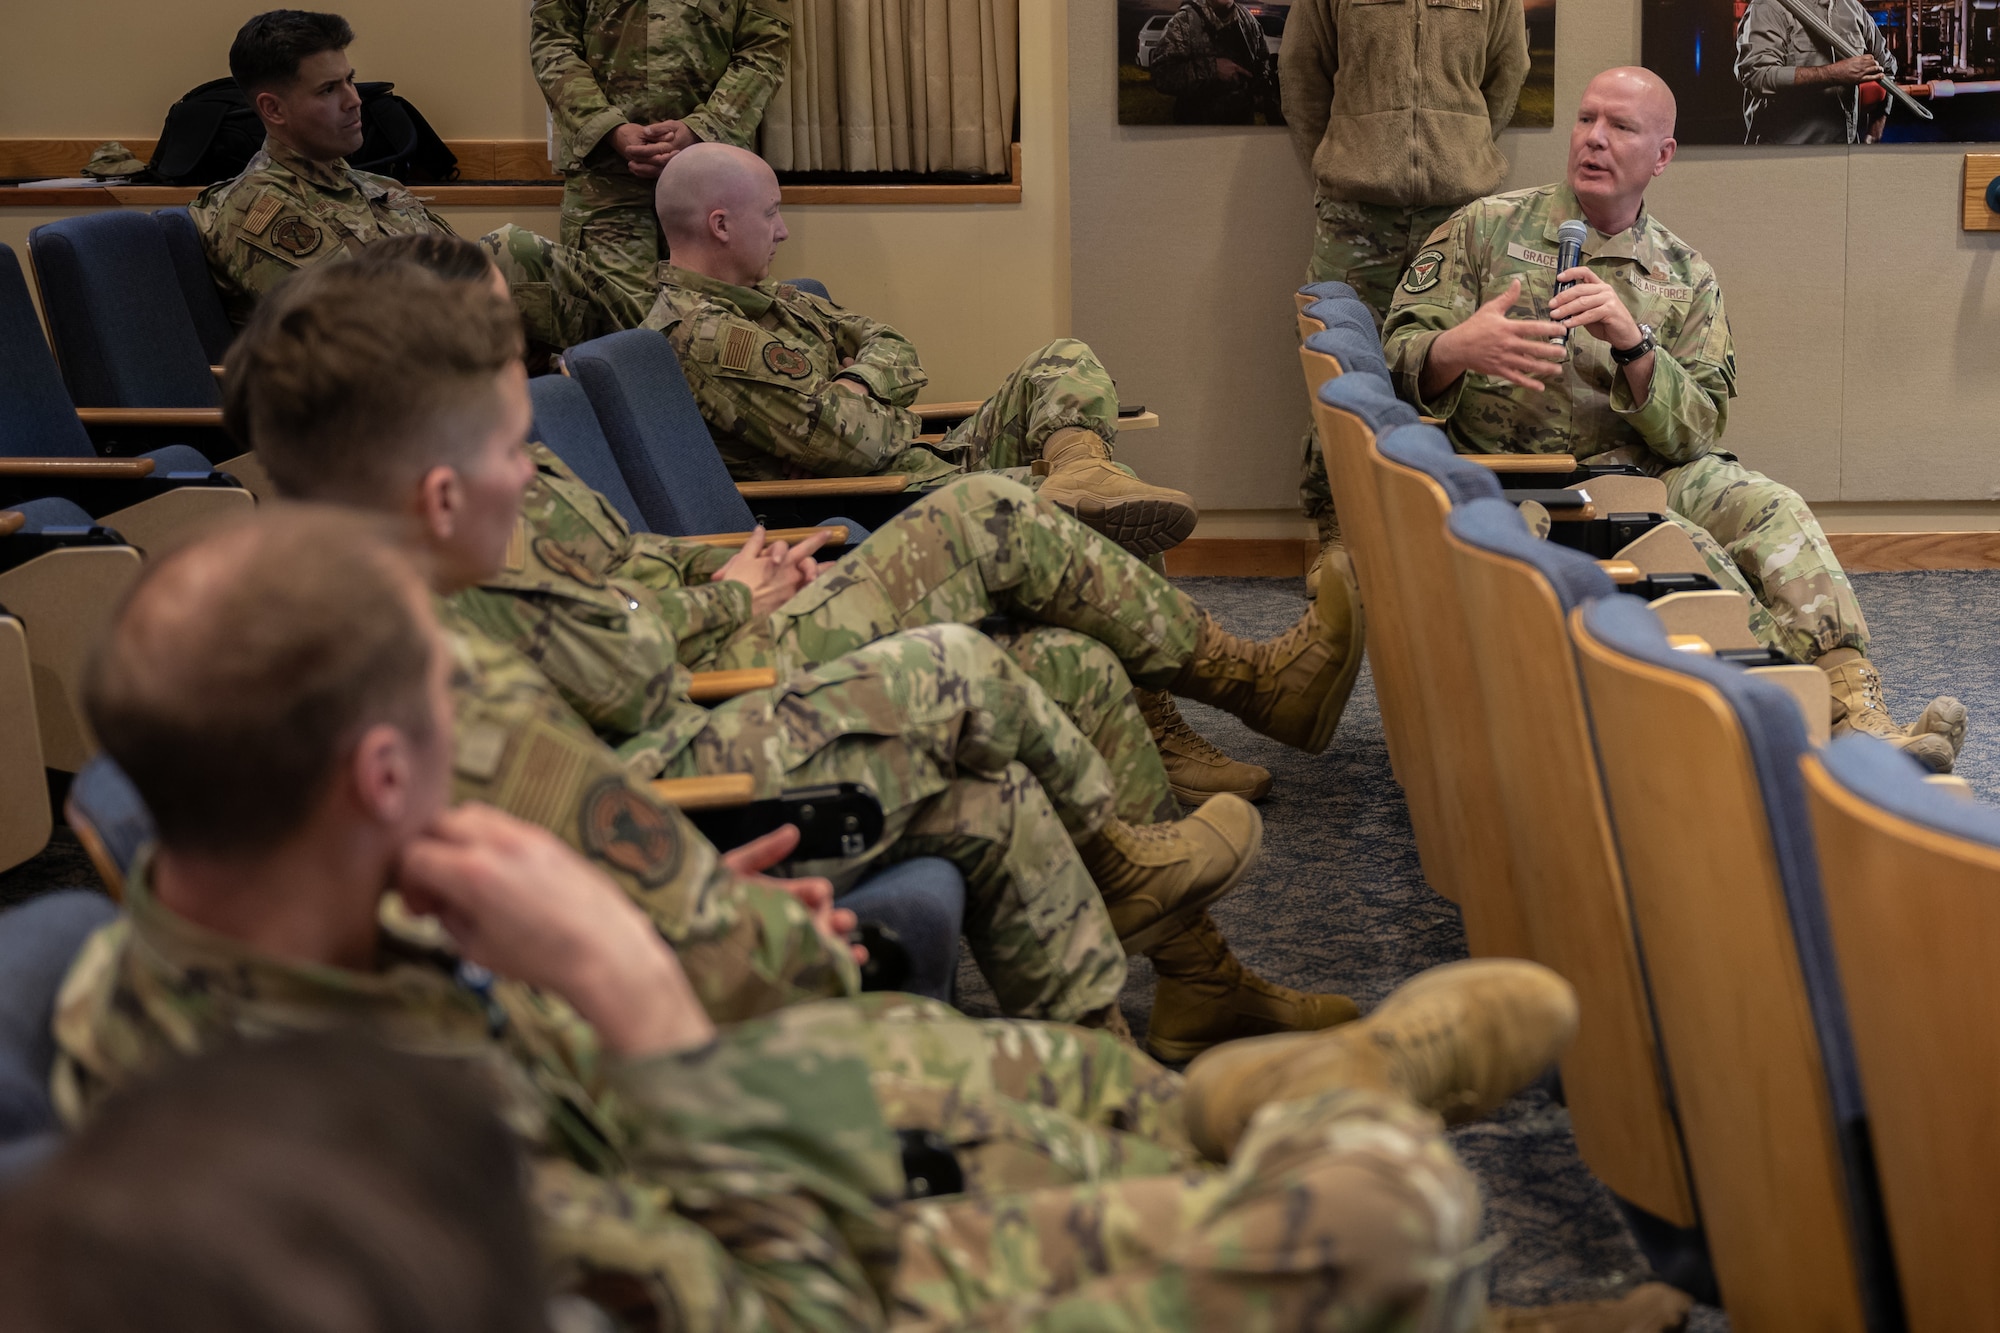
(334, 175)
(412, 993)
(1637, 242)
(751, 301)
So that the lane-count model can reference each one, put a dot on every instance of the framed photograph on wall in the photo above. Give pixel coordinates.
(1828, 71)
(1215, 62)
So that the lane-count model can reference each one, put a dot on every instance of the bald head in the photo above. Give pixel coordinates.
(1643, 89)
(1623, 137)
(242, 666)
(718, 209)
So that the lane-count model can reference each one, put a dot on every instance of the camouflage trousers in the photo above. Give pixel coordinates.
(1086, 1207)
(564, 299)
(1085, 618)
(971, 761)
(1366, 246)
(1758, 537)
(607, 213)
(1062, 385)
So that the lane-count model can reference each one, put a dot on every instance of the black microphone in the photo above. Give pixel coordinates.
(1569, 253)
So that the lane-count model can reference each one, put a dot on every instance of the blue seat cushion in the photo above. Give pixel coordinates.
(1329, 290)
(179, 460)
(44, 515)
(1345, 313)
(1425, 449)
(1885, 777)
(103, 796)
(565, 423)
(38, 940)
(1358, 353)
(1496, 526)
(37, 419)
(1371, 399)
(813, 285)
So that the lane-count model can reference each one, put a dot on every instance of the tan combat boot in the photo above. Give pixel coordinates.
(1458, 1039)
(1651, 1307)
(1145, 520)
(1943, 716)
(1291, 688)
(1196, 770)
(1153, 877)
(1858, 705)
(1329, 540)
(1206, 997)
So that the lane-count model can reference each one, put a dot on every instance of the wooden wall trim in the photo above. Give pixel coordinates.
(480, 160)
(1979, 169)
(1859, 552)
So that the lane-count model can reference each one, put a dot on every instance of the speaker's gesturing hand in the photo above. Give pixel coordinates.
(1490, 342)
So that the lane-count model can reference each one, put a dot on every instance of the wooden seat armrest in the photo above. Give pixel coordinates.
(945, 411)
(1431, 421)
(1690, 643)
(712, 687)
(1621, 572)
(215, 371)
(185, 418)
(11, 522)
(815, 487)
(122, 468)
(1553, 463)
(732, 540)
(707, 793)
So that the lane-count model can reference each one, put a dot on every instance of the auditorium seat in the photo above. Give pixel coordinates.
(25, 818)
(134, 345)
(156, 500)
(813, 285)
(1911, 877)
(62, 576)
(1516, 594)
(1701, 763)
(38, 941)
(669, 460)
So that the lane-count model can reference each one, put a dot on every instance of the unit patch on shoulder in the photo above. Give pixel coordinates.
(736, 348)
(1425, 270)
(786, 361)
(554, 555)
(261, 213)
(297, 237)
(624, 829)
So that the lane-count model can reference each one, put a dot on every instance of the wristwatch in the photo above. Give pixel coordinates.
(1625, 356)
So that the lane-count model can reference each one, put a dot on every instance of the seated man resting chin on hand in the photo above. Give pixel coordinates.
(1473, 337)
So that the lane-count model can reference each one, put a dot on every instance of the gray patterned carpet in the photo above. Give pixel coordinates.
(1337, 903)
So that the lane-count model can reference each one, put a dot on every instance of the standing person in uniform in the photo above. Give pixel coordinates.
(1213, 61)
(1387, 173)
(298, 203)
(1645, 378)
(1794, 91)
(882, 1163)
(630, 84)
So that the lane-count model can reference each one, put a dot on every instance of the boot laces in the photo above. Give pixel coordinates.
(1871, 691)
(1169, 725)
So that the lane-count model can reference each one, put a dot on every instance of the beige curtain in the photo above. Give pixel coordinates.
(897, 85)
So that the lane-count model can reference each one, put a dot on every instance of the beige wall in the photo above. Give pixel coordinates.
(976, 286)
(1867, 324)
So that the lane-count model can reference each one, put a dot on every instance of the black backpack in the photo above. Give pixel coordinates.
(212, 133)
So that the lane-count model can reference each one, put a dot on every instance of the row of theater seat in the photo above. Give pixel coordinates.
(1783, 949)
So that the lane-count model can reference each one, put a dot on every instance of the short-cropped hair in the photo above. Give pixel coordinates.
(269, 48)
(242, 670)
(452, 258)
(352, 380)
(309, 1183)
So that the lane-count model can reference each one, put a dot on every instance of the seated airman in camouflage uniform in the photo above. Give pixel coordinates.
(793, 385)
(1474, 338)
(298, 203)
(385, 387)
(629, 85)
(610, 615)
(849, 1164)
